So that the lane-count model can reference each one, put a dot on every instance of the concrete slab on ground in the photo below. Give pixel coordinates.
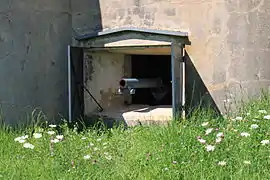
(137, 115)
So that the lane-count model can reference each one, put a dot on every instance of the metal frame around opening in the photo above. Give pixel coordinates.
(177, 58)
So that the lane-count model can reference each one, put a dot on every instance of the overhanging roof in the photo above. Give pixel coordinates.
(99, 39)
(131, 29)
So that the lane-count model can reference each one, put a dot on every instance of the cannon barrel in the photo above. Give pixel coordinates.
(140, 83)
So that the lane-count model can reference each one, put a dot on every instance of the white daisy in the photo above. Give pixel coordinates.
(238, 118)
(166, 169)
(21, 138)
(202, 141)
(246, 162)
(22, 141)
(51, 132)
(24, 137)
(210, 148)
(17, 139)
(254, 126)
(218, 140)
(208, 131)
(255, 120)
(265, 142)
(60, 137)
(220, 134)
(222, 163)
(267, 117)
(262, 111)
(28, 145)
(205, 124)
(244, 134)
(55, 140)
(86, 157)
(108, 157)
(37, 135)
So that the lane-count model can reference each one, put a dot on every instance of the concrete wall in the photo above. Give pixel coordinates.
(230, 39)
(33, 57)
(103, 70)
(230, 44)
(86, 16)
(34, 36)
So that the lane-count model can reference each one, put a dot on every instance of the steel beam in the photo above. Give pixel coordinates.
(178, 93)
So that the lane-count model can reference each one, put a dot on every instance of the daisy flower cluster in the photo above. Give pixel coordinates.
(246, 129)
(25, 139)
(219, 136)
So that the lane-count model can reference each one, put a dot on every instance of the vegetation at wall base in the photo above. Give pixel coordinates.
(201, 147)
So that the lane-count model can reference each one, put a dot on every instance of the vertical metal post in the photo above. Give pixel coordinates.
(178, 96)
(183, 64)
(69, 86)
(75, 83)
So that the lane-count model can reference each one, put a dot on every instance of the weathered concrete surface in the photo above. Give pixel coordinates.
(34, 36)
(86, 16)
(103, 72)
(230, 44)
(230, 39)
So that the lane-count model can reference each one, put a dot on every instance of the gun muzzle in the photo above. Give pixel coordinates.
(134, 83)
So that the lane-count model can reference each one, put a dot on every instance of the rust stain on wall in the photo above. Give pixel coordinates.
(88, 67)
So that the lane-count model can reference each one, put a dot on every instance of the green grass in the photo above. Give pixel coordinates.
(171, 152)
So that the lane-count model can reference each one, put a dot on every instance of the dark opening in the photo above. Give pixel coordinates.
(152, 66)
(122, 83)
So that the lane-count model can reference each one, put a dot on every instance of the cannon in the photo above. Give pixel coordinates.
(157, 89)
(131, 84)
